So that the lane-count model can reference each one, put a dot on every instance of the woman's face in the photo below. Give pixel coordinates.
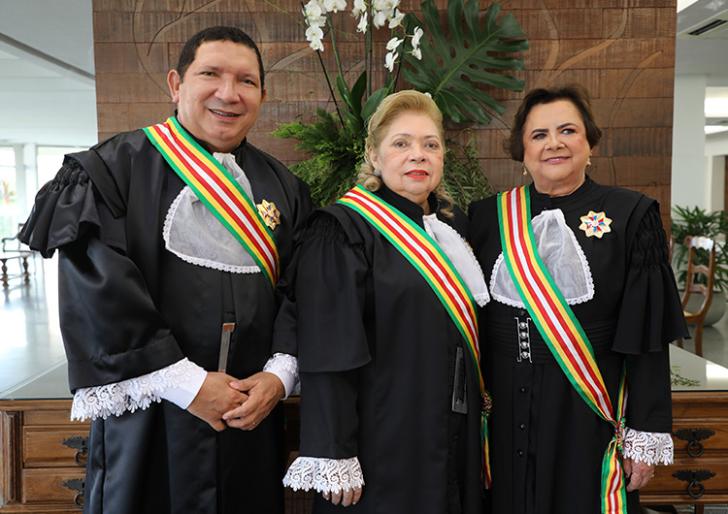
(410, 156)
(556, 150)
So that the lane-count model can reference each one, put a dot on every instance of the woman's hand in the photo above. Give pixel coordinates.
(638, 474)
(346, 498)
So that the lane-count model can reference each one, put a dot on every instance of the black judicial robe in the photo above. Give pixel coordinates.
(129, 307)
(547, 444)
(377, 357)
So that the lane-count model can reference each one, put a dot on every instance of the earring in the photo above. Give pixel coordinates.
(588, 163)
(377, 173)
(525, 170)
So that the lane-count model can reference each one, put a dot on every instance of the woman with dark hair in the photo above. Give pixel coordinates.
(386, 293)
(575, 343)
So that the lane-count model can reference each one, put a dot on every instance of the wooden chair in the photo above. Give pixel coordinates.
(703, 287)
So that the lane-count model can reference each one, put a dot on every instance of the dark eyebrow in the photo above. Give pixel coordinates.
(542, 130)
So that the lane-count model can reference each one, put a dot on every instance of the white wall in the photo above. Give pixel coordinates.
(690, 180)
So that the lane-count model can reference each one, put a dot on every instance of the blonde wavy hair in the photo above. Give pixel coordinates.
(389, 109)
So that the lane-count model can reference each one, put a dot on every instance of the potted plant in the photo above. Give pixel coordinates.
(458, 57)
(696, 221)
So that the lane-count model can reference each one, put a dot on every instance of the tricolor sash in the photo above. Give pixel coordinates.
(563, 334)
(218, 191)
(437, 270)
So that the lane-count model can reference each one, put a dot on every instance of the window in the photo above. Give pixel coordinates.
(8, 192)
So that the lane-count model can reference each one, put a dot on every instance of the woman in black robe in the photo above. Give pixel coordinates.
(389, 393)
(547, 443)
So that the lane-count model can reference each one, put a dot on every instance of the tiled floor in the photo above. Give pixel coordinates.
(30, 340)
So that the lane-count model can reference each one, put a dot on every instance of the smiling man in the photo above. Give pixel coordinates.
(172, 240)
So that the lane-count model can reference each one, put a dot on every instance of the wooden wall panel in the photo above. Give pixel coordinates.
(622, 51)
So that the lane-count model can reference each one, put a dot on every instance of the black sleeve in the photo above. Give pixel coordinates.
(110, 326)
(284, 327)
(329, 418)
(649, 400)
(650, 315)
(330, 298)
(331, 282)
(68, 208)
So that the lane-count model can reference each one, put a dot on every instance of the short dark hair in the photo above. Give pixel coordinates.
(233, 34)
(575, 94)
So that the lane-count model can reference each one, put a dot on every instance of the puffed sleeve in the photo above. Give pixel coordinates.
(330, 298)
(651, 314)
(66, 209)
(111, 328)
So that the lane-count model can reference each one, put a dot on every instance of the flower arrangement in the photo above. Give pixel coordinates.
(458, 63)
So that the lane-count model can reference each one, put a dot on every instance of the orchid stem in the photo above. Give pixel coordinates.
(326, 76)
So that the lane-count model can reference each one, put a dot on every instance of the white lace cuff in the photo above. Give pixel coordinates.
(649, 447)
(324, 475)
(285, 367)
(137, 393)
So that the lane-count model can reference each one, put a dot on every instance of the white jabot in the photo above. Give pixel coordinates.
(562, 256)
(461, 256)
(195, 235)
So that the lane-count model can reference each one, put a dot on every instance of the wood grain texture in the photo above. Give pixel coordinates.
(622, 51)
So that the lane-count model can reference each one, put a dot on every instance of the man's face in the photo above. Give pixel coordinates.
(219, 97)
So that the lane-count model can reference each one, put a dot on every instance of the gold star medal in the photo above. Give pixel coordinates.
(270, 214)
(595, 224)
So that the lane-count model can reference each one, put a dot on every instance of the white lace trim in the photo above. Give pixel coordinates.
(197, 261)
(517, 302)
(649, 447)
(285, 367)
(128, 395)
(324, 475)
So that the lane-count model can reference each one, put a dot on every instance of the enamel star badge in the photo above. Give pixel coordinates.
(595, 224)
(270, 214)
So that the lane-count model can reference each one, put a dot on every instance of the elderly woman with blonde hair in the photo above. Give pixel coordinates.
(386, 292)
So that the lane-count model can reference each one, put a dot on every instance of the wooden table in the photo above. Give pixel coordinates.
(699, 474)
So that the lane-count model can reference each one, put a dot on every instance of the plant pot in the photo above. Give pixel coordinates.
(715, 311)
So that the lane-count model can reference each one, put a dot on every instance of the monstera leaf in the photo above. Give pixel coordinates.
(476, 50)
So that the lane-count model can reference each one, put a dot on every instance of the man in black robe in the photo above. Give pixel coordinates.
(148, 276)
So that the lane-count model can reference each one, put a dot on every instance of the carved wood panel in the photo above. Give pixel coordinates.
(621, 50)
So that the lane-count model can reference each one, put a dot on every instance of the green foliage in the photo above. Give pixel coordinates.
(698, 222)
(336, 155)
(473, 52)
(464, 180)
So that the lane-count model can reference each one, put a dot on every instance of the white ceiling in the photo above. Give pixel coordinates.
(47, 93)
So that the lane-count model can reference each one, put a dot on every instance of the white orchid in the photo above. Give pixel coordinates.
(416, 36)
(394, 43)
(359, 8)
(396, 19)
(417, 53)
(314, 36)
(334, 5)
(312, 10)
(389, 60)
(379, 19)
(362, 27)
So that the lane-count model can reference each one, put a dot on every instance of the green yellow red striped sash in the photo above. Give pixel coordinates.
(218, 190)
(563, 334)
(435, 267)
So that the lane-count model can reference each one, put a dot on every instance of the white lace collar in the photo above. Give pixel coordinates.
(195, 235)
(461, 256)
(561, 254)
